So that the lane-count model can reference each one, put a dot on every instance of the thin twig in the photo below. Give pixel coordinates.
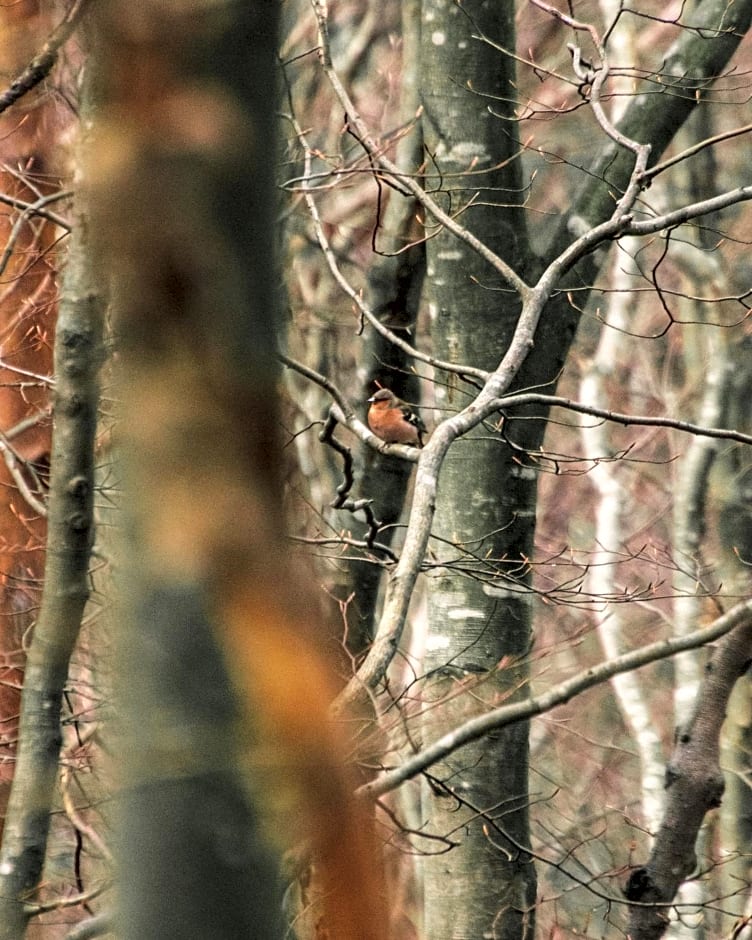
(342, 500)
(30, 210)
(536, 398)
(13, 463)
(415, 189)
(41, 65)
(34, 209)
(356, 295)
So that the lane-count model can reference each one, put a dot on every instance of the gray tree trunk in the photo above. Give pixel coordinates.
(70, 531)
(484, 884)
(479, 606)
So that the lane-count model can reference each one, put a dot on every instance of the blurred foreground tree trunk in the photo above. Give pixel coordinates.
(182, 195)
(222, 690)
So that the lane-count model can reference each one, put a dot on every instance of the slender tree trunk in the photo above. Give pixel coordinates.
(480, 609)
(732, 490)
(78, 356)
(30, 131)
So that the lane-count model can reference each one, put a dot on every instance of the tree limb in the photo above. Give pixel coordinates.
(694, 785)
(41, 65)
(506, 715)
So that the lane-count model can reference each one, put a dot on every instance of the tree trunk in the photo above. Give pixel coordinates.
(182, 200)
(30, 132)
(479, 606)
(486, 505)
(78, 356)
(224, 693)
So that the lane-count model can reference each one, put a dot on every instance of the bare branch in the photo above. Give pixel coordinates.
(28, 212)
(557, 695)
(536, 398)
(35, 210)
(356, 295)
(345, 415)
(13, 462)
(41, 65)
(343, 499)
(415, 189)
(694, 785)
(96, 926)
(694, 149)
(687, 213)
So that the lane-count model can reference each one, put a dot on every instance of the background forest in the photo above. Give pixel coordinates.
(266, 675)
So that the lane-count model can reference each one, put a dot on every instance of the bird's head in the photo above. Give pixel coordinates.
(383, 394)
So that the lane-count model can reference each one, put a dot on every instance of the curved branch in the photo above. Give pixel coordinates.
(355, 295)
(412, 185)
(506, 715)
(536, 398)
(345, 415)
(694, 785)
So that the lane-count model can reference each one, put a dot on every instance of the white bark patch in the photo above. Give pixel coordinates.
(524, 473)
(451, 255)
(465, 153)
(490, 591)
(468, 151)
(466, 613)
(434, 642)
(438, 38)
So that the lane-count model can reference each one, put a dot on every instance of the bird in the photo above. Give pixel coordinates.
(394, 421)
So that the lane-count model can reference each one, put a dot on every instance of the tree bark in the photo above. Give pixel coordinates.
(479, 606)
(224, 692)
(487, 500)
(30, 132)
(694, 785)
(78, 356)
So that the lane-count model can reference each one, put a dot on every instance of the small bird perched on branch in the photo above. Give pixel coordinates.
(394, 421)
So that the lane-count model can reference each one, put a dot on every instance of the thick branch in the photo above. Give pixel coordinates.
(694, 785)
